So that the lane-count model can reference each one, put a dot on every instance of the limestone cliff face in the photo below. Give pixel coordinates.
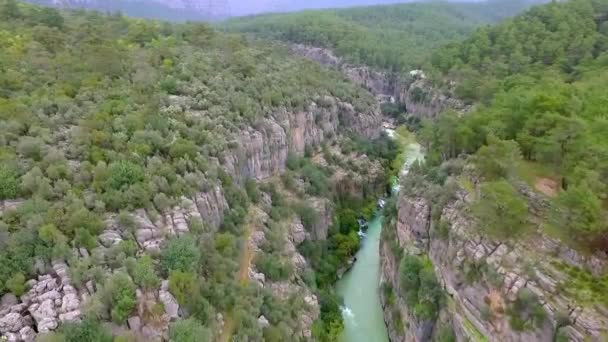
(261, 151)
(483, 278)
(414, 92)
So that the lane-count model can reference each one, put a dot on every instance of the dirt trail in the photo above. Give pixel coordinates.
(253, 221)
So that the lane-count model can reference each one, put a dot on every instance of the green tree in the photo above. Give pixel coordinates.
(498, 159)
(500, 210)
(120, 295)
(87, 330)
(578, 213)
(180, 254)
(144, 274)
(188, 330)
(16, 284)
(9, 183)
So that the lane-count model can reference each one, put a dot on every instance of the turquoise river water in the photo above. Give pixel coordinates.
(360, 286)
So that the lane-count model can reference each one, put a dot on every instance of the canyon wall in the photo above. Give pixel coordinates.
(259, 151)
(486, 280)
(412, 91)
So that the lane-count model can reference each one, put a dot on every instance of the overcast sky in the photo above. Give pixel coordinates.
(244, 7)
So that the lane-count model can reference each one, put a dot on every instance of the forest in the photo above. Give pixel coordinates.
(538, 84)
(93, 130)
(393, 37)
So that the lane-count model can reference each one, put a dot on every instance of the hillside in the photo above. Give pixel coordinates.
(155, 180)
(506, 219)
(395, 37)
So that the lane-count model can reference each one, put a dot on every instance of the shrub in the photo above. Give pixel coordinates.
(123, 174)
(120, 295)
(9, 183)
(144, 275)
(500, 210)
(87, 330)
(180, 254)
(526, 312)
(188, 330)
(184, 286)
(16, 284)
(273, 266)
(420, 287)
(251, 187)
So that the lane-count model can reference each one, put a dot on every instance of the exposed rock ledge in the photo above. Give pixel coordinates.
(475, 310)
(413, 91)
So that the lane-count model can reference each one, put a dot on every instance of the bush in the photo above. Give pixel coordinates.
(120, 295)
(274, 266)
(251, 187)
(180, 254)
(144, 275)
(9, 183)
(420, 287)
(526, 312)
(122, 174)
(188, 330)
(308, 215)
(16, 284)
(500, 210)
(87, 330)
(183, 286)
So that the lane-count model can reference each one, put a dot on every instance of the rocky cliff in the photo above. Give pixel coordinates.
(412, 91)
(259, 151)
(524, 290)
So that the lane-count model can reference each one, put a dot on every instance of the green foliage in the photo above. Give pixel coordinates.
(87, 330)
(578, 214)
(397, 37)
(188, 330)
(308, 215)
(180, 254)
(16, 284)
(251, 187)
(144, 274)
(500, 210)
(9, 183)
(498, 159)
(123, 173)
(275, 267)
(526, 312)
(183, 286)
(420, 288)
(119, 293)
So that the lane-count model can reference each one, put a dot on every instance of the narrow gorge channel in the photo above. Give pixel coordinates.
(360, 286)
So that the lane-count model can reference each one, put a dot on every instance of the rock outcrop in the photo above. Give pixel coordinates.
(261, 151)
(412, 91)
(483, 278)
(50, 300)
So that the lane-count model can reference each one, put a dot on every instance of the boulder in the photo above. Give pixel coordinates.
(170, 304)
(263, 322)
(11, 322)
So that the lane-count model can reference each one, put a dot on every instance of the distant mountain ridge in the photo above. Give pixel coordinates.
(172, 10)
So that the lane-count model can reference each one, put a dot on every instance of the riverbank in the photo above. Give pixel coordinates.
(359, 287)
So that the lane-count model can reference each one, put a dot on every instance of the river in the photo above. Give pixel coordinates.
(360, 286)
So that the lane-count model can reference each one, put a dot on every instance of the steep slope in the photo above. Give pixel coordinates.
(132, 152)
(501, 234)
(397, 37)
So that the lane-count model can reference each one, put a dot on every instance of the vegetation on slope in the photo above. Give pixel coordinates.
(396, 37)
(91, 124)
(539, 80)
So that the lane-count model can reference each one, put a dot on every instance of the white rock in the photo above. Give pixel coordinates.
(134, 323)
(70, 316)
(11, 322)
(171, 306)
(27, 334)
(263, 322)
